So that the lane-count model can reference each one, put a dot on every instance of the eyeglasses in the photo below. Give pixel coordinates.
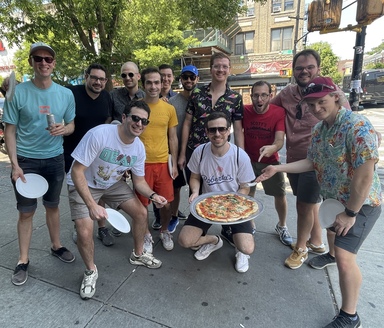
(137, 119)
(39, 59)
(221, 129)
(299, 111)
(313, 88)
(302, 68)
(263, 96)
(96, 78)
(186, 77)
(223, 67)
(124, 76)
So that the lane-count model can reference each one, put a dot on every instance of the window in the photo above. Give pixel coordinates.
(244, 43)
(281, 39)
(282, 5)
(288, 5)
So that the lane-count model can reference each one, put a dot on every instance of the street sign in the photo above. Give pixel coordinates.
(287, 52)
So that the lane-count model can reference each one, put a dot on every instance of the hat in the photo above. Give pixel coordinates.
(191, 69)
(41, 46)
(319, 87)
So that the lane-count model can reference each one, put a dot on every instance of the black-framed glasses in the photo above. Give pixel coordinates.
(137, 119)
(263, 96)
(96, 78)
(299, 111)
(314, 88)
(39, 59)
(185, 77)
(221, 129)
(130, 75)
(302, 68)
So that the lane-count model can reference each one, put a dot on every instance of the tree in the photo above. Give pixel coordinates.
(377, 49)
(328, 60)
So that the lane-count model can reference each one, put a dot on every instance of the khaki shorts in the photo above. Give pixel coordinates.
(274, 186)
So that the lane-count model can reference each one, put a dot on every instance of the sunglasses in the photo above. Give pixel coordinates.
(186, 77)
(314, 88)
(39, 59)
(124, 76)
(221, 129)
(137, 119)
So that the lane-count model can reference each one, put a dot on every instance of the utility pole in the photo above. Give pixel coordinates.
(296, 40)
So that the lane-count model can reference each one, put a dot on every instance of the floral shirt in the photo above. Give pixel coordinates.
(200, 106)
(337, 151)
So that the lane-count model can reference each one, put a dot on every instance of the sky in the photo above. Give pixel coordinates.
(342, 43)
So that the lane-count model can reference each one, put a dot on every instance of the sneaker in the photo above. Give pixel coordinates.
(63, 254)
(20, 275)
(115, 232)
(88, 285)
(313, 248)
(156, 225)
(148, 241)
(226, 233)
(206, 249)
(147, 260)
(342, 321)
(181, 215)
(166, 239)
(105, 236)
(242, 264)
(322, 261)
(173, 224)
(297, 258)
(284, 235)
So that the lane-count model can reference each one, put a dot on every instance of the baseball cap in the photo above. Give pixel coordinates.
(319, 87)
(41, 46)
(191, 69)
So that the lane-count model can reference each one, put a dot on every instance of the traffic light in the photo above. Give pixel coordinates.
(324, 14)
(369, 10)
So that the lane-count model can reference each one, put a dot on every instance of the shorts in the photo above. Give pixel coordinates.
(355, 237)
(179, 181)
(159, 180)
(274, 186)
(52, 169)
(113, 197)
(245, 227)
(305, 187)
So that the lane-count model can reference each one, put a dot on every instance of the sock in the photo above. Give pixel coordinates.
(332, 257)
(353, 317)
(174, 217)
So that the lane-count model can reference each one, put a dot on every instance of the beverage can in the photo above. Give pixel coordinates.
(50, 120)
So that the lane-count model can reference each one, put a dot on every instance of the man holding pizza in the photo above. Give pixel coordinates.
(219, 166)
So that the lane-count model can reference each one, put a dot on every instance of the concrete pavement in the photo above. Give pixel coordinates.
(184, 292)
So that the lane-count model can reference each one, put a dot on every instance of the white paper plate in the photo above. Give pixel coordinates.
(11, 87)
(170, 165)
(118, 220)
(328, 211)
(35, 187)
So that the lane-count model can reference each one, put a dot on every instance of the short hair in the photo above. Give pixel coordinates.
(149, 70)
(218, 55)
(306, 53)
(165, 66)
(260, 84)
(216, 115)
(139, 103)
(95, 66)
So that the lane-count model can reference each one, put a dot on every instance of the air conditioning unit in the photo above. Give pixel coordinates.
(276, 9)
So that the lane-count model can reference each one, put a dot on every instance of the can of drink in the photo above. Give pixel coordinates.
(50, 120)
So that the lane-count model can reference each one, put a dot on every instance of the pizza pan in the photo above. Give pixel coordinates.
(214, 193)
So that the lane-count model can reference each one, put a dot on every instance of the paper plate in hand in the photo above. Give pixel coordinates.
(328, 211)
(35, 187)
(170, 166)
(11, 87)
(118, 220)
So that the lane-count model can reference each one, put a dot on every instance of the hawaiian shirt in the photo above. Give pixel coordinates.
(200, 106)
(340, 149)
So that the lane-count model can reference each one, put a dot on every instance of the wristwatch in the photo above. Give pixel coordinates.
(153, 194)
(350, 213)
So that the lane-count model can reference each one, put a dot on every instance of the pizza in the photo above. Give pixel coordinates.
(226, 208)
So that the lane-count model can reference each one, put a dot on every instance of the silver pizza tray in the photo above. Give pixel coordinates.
(214, 193)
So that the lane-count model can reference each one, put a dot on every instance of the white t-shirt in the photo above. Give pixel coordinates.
(221, 173)
(107, 157)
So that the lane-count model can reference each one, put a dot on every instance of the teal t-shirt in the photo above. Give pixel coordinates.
(28, 111)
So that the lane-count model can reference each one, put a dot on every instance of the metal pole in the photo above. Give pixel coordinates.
(295, 41)
(357, 69)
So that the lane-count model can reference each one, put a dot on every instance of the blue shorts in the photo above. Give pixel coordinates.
(52, 169)
(305, 187)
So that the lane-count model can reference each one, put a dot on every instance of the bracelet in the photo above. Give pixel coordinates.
(350, 213)
(153, 194)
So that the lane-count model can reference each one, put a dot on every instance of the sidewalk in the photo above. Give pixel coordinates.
(184, 292)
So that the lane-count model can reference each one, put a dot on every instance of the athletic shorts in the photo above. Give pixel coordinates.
(305, 187)
(274, 186)
(179, 181)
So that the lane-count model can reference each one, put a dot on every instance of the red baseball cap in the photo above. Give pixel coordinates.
(319, 87)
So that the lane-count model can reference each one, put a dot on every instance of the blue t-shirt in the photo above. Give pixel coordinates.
(28, 111)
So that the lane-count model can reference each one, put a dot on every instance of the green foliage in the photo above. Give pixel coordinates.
(328, 60)
(377, 49)
(374, 66)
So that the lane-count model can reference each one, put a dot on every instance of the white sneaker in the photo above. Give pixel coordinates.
(166, 239)
(148, 241)
(206, 249)
(242, 264)
(88, 285)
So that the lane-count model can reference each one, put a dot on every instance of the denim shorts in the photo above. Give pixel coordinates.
(305, 187)
(52, 169)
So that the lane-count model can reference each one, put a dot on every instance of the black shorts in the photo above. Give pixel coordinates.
(305, 187)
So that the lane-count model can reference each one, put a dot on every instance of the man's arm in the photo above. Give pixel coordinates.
(143, 188)
(184, 140)
(63, 130)
(194, 186)
(10, 144)
(239, 133)
(173, 149)
(269, 150)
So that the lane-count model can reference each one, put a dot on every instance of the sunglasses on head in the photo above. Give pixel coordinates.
(137, 119)
(314, 88)
(124, 76)
(38, 59)
(221, 129)
(186, 77)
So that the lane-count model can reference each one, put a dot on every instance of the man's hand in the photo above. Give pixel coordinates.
(343, 223)
(267, 151)
(267, 173)
(97, 212)
(57, 129)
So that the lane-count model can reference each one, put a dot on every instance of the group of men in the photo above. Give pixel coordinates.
(191, 131)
